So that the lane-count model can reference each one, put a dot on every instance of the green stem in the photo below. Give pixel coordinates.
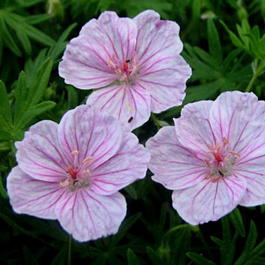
(69, 250)
(256, 73)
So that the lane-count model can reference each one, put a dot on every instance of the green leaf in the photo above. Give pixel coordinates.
(249, 245)
(5, 110)
(199, 259)
(156, 260)
(237, 222)
(214, 43)
(132, 258)
(3, 192)
(7, 38)
(42, 79)
(34, 111)
(132, 191)
(59, 46)
(235, 40)
(38, 35)
(72, 97)
(36, 19)
(24, 40)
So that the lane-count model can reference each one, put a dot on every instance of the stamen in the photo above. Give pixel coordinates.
(88, 159)
(64, 183)
(75, 154)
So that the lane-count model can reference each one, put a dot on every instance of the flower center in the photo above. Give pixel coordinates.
(77, 174)
(220, 161)
(126, 71)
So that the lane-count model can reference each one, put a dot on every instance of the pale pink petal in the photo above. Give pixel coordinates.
(238, 117)
(87, 215)
(209, 201)
(31, 196)
(39, 154)
(126, 166)
(193, 128)
(129, 104)
(156, 37)
(166, 79)
(87, 134)
(251, 166)
(174, 166)
(88, 58)
(255, 192)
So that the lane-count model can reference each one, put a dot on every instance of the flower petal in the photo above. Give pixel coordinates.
(166, 79)
(254, 194)
(251, 166)
(87, 215)
(209, 201)
(193, 129)
(128, 165)
(129, 104)
(39, 154)
(86, 133)
(31, 196)
(174, 166)
(238, 117)
(156, 37)
(87, 60)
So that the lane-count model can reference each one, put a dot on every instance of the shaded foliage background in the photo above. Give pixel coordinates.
(225, 46)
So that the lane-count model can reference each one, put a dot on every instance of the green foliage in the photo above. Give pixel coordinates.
(28, 92)
(225, 46)
(16, 28)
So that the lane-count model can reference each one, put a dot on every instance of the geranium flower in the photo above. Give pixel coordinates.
(72, 172)
(214, 157)
(134, 65)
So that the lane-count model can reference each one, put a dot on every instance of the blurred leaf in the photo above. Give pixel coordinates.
(199, 259)
(214, 43)
(61, 257)
(237, 222)
(132, 258)
(15, 27)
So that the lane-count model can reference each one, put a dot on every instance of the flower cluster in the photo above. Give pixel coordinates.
(213, 158)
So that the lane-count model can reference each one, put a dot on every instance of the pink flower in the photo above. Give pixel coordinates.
(214, 157)
(72, 172)
(135, 63)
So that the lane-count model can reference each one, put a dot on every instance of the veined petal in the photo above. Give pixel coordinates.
(86, 133)
(209, 201)
(251, 166)
(39, 153)
(166, 79)
(126, 166)
(31, 196)
(193, 128)
(87, 215)
(88, 59)
(254, 194)
(238, 117)
(128, 103)
(156, 37)
(174, 166)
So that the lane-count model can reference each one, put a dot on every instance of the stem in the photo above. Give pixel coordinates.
(257, 71)
(69, 250)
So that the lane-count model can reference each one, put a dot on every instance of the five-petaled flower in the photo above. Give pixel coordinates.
(214, 157)
(72, 171)
(134, 65)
